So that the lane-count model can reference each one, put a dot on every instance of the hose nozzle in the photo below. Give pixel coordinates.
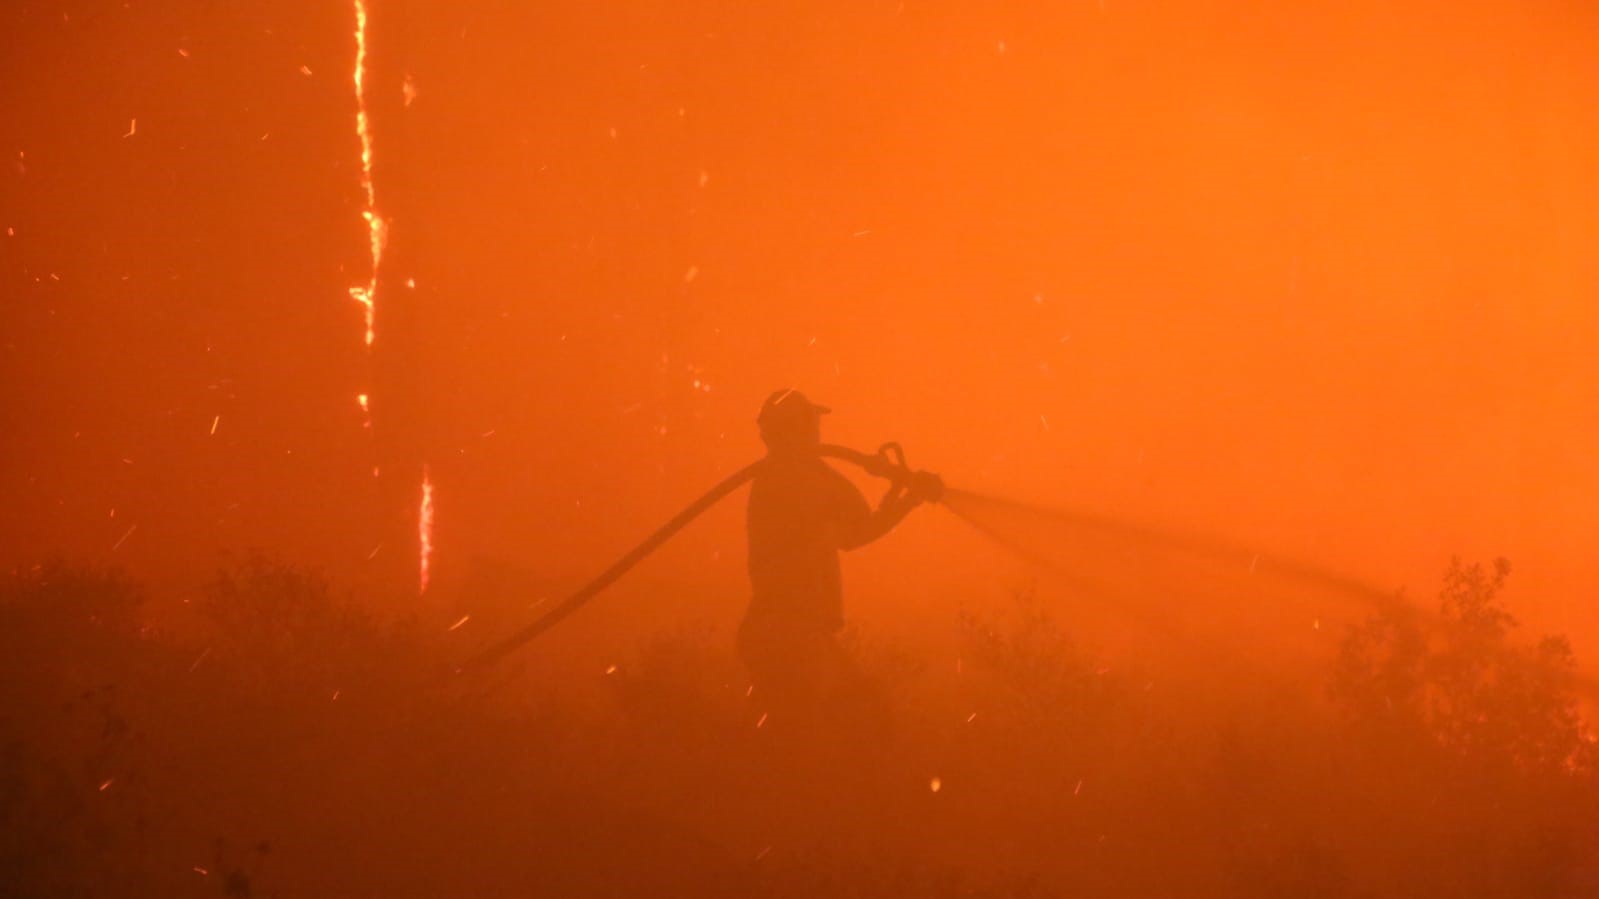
(892, 465)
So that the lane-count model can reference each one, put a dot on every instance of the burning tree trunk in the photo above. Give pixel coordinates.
(397, 403)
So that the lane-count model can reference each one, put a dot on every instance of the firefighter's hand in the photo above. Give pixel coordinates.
(926, 487)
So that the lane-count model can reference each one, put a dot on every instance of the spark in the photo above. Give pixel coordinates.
(118, 544)
(692, 273)
(762, 854)
(408, 87)
(198, 659)
(200, 871)
(1079, 788)
(106, 784)
(366, 410)
(214, 422)
(424, 532)
(335, 696)
(183, 53)
(970, 718)
(611, 669)
(762, 721)
(464, 619)
(935, 784)
(133, 128)
(306, 70)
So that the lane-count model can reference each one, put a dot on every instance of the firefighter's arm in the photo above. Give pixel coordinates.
(895, 505)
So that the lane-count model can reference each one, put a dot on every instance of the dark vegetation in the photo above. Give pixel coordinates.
(285, 743)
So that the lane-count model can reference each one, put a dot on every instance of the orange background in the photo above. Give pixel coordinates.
(1319, 275)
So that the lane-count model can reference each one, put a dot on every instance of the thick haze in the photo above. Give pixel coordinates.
(1320, 277)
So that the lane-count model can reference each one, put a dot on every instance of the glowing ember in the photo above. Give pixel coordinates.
(935, 784)
(464, 619)
(106, 784)
(424, 532)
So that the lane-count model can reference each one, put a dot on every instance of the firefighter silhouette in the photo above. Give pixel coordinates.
(802, 514)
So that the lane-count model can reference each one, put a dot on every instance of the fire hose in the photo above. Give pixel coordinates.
(887, 463)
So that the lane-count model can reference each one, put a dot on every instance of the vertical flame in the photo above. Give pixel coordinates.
(424, 531)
